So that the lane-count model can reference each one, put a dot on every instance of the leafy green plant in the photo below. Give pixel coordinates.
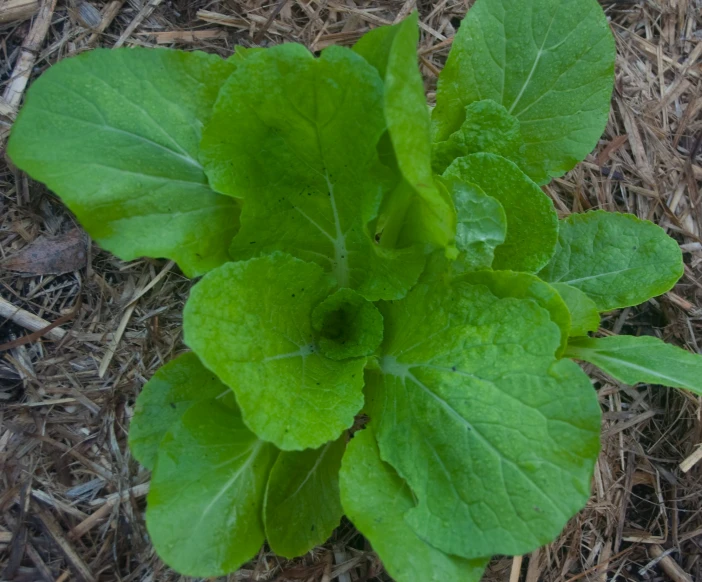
(389, 307)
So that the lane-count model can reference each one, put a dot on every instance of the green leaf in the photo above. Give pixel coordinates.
(487, 128)
(505, 284)
(376, 500)
(164, 399)
(584, 316)
(640, 359)
(392, 50)
(532, 224)
(549, 62)
(481, 226)
(116, 133)
(495, 438)
(206, 497)
(617, 259)
(348, 326)
(250, 323)
(296, 137)
(302, 506)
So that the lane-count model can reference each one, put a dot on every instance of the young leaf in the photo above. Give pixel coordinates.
(302, 506)
(164, 399)
(507, 436)
(376, 500)
(296, 137)
(348, 326)
(206, 497)
(249, 322)
(481, 225)
(115, 133)
(550, 63)
(617, 259)
(505, 284)
(392, 50)
(640, 359)
(487, 128)
(532, 224)
(584, 316)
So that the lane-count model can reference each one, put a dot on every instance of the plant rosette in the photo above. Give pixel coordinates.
(364, 258)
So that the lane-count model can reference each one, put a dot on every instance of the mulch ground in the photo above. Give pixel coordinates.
(71, 497)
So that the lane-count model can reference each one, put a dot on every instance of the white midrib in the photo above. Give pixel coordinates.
(341, 255)
(533, 68)
(230, 482)
(625, 364)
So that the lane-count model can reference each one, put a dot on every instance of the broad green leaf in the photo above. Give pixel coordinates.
(532, 224)
(392, 50)
(617, 259)
(507, 437)
(550, 63)
(206, 497)
(349, 326)
(584, 316)
(164, 399)
(487, 128)
(481, 226)
(116, 133)
(376, 500)
(505, 284)
(302, 506)
(296, 138)
(250, 323)
(640, 359)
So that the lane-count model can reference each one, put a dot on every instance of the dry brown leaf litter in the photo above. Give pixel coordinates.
(71, 497)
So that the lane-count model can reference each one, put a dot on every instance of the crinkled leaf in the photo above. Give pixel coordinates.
(392, 50)
(296, 137)
(250, 323)
(206, 497)
(376, 500)
(302, 506)
(164, 399)
(481, 226)
(487, 128)
(549, 62)
(507, 436)
(116, 133)
(584, 316)
(348, 325)
(532, 224)
(525, 286)
(617, 259)
(640, 359)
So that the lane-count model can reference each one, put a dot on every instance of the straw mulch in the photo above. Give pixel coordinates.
(72, 498)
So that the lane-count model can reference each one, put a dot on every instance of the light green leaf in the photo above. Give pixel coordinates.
(164, 399)
(116, 133)
(507, 437)
(532, 224)
(617, 259)
(285, 135)
(392, 50)
(584, 316)
(505, 284)
(487, 128)
(549, 62)
(376, 500)
(302, 506)
(481, 226)
(250, 323)
(206, 497)
(640, 359)
(348, 325)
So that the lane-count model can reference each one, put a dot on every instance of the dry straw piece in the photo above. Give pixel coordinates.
(71, 497)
